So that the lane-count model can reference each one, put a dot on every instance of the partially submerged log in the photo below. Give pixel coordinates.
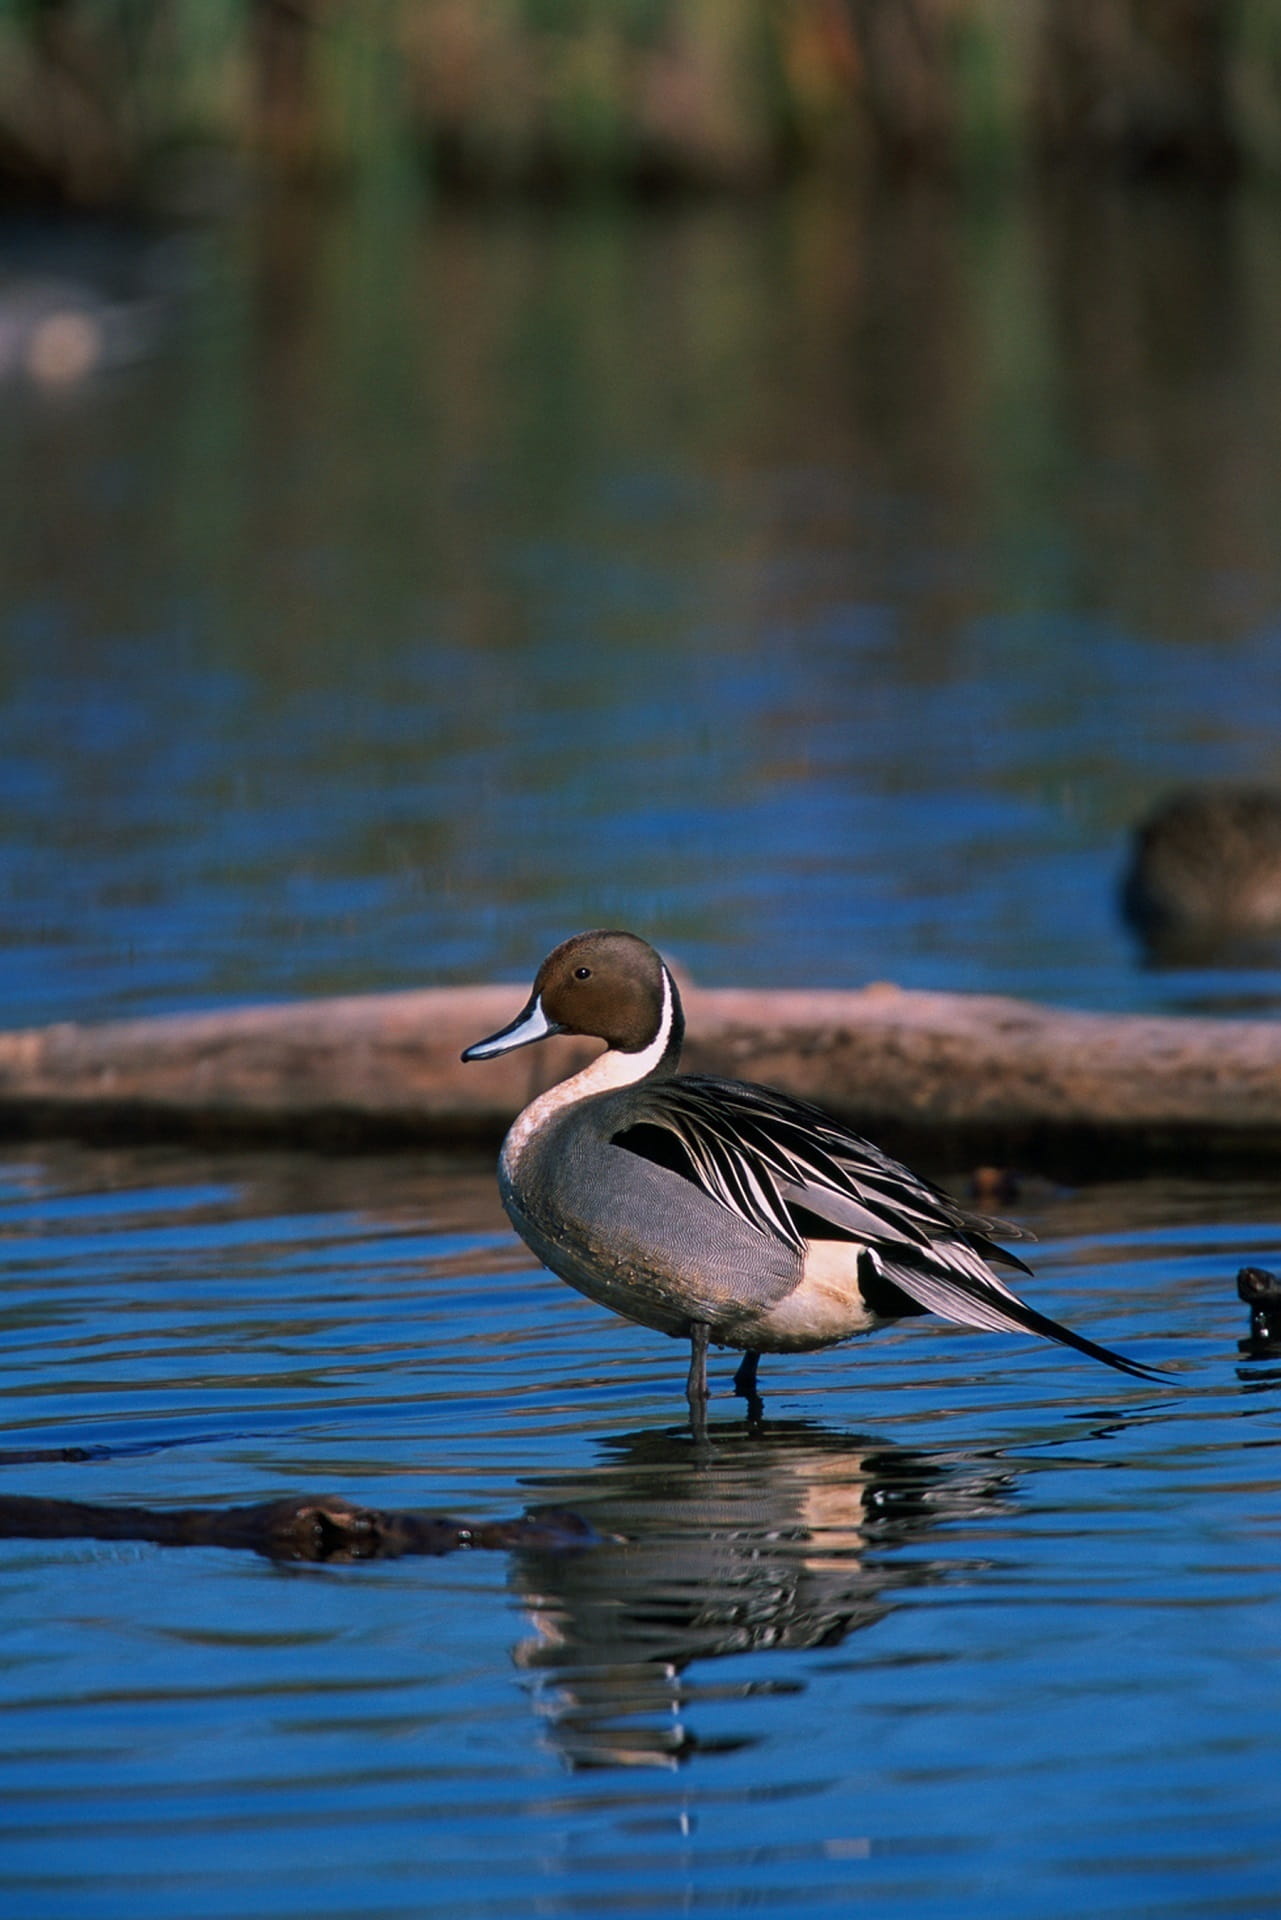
(964, 1076)
(303, 1528)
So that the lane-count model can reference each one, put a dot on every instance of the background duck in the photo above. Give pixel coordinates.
(722, 1210)
(1203, 881)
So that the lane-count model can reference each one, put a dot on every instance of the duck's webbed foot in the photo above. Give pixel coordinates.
(696, 1384)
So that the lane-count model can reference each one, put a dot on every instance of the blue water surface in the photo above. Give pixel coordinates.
(964, 1620)
(445, 585)
(822, 591)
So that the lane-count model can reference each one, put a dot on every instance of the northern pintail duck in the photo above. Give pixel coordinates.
(721, 1210)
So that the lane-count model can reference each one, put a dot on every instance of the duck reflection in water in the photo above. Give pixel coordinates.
(788, 1537)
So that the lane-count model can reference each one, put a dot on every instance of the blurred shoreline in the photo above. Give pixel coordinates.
(160, 105)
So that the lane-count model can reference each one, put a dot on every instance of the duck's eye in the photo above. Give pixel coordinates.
(582, 973)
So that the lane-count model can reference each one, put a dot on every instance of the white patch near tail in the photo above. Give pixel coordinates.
(826, 1305)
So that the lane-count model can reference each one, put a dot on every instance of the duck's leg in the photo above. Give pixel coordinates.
(745, 1378)
(745, 1385)
(696, 1384)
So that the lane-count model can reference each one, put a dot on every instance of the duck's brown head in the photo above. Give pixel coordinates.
(609, 984)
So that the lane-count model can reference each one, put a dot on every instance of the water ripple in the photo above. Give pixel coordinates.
(817, 1664)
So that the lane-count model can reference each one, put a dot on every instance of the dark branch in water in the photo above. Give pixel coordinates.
(324, 1528)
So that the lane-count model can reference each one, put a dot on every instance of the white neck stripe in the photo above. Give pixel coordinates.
(644, 1062)
(612, 1070)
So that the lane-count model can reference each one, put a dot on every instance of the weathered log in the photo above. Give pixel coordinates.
(950, 1074)
(323, 1528)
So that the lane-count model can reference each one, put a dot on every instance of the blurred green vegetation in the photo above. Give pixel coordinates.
(109, 101)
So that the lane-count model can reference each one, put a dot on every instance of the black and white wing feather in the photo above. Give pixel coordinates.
(760, 1153)
(773, 1160)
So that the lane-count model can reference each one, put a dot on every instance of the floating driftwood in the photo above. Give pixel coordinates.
(325, 1528)
(963, 1076)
